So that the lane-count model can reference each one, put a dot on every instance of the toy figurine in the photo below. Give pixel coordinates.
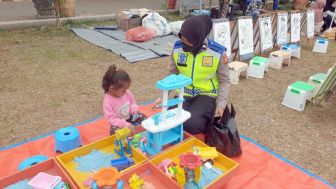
(135, 182)
(180, 176)
(165, 165)
(136, 140)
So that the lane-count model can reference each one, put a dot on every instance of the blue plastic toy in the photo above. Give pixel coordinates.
(67, 139)
(143, 147)
(120, 184)
(289, 46)
(32, 161)
(167, 126)
(122, 163)
(94, 185)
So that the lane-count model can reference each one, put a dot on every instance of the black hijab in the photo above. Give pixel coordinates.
(196, 29)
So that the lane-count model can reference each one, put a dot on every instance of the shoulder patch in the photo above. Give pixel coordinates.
(216, 46)
(178, 44)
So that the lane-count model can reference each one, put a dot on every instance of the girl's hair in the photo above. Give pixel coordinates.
(116, 78)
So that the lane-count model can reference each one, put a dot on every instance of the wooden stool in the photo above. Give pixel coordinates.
(235, 69)
(277, 58)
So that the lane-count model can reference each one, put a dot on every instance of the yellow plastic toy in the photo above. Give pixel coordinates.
(180, 176)
(206, 152)
(197, 172)
(135, 182)
(122, 133)
(122, 142)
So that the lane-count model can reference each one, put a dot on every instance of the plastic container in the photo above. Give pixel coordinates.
(149, 173)
(50, 167)
(105, 145)
(222, 162)
(44, 181)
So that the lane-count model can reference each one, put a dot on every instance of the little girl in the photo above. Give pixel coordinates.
(120, 108)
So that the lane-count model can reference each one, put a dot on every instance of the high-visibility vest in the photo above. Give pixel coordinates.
(201, 68)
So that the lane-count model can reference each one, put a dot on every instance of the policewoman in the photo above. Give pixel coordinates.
(205, 62)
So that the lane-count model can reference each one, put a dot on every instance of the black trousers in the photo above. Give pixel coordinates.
(327, 21)
(202, 108)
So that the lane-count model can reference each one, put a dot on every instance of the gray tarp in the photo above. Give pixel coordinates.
(115, 40)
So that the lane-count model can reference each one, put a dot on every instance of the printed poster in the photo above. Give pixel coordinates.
(221, 32)
(310, 24)
(266, 36)
(295, 27)
(245, 36)
(282, 27)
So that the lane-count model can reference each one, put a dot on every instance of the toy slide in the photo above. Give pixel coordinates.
(258, 167)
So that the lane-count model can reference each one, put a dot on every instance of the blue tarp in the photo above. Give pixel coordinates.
(115, 41)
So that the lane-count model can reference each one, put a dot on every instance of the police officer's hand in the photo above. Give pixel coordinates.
(225, 58)
(219, 112)
(157, 104)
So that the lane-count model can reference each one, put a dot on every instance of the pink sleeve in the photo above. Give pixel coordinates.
(111, 116)
(133, 106)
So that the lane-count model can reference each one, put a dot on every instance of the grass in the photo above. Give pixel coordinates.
(50, 78)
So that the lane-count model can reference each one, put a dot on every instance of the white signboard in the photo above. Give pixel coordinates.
(310, 24)
(221, 32)
(245, 36)
(266, 37)
(295, 27)
(282, 27)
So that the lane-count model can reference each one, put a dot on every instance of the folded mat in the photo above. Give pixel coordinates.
(259, 167)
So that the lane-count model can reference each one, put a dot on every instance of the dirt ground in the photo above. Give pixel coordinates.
(51, 79)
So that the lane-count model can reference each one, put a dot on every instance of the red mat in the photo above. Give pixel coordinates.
(259, 168)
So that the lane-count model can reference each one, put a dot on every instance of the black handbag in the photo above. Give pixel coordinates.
(223, 134)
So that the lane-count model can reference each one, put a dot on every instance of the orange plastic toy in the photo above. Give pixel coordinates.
(106, 177)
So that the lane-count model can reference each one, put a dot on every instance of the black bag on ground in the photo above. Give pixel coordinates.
(223, 134)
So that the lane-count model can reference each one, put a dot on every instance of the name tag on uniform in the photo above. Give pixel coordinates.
(207, 61)
(182, 59)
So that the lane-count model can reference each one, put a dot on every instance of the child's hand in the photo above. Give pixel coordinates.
(135, 116)
(132, 128)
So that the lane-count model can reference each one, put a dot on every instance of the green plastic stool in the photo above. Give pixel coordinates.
(258, 66)
(318, 78)
(297, 94)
